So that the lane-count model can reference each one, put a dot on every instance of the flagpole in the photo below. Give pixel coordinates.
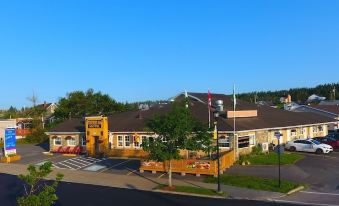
(236, 144)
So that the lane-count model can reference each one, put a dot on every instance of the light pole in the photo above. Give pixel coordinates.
(220, 108)
(216, 116)
(278, 135)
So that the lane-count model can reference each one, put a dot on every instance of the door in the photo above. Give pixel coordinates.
(96, 145)
(308, 146)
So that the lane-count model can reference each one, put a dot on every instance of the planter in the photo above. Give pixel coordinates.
(10, 159)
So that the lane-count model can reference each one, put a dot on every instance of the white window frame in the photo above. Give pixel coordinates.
(320, 128)
(315, 129)
(139, 143)
(83, 141)
(55, 140)
(129, 142)
(120, 141)
(71, 140)
(252, 140)
(227, 137)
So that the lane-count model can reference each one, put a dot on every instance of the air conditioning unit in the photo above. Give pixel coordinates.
(264, 146)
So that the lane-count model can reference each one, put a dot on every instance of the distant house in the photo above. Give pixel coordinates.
(331, 111)
(286, 100)
(291, 106)
(315, 98)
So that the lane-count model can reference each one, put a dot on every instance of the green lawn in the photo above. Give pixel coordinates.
(194, 190)
(272, 158)
(257, 183)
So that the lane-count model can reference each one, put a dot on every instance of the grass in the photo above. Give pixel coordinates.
(272, 158)
(18, 142)
(192, 190)
(257, 183)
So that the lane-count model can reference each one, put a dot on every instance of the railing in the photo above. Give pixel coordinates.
(191, 166)
(22, 132)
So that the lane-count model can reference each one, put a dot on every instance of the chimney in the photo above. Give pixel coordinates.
(45, 104)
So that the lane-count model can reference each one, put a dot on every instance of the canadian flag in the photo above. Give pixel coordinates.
(209, 99)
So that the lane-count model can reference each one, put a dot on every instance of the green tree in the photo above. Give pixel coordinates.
(79, 104)
(176, 130)
(38, 193)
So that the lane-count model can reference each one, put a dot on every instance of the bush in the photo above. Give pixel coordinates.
(37, 136)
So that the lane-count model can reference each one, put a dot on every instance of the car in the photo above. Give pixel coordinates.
(308, 145)
(334, 136)
(328, 140)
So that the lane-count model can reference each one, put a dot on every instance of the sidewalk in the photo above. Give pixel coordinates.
(138, 182)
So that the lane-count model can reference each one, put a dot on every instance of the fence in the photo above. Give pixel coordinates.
(191, 166)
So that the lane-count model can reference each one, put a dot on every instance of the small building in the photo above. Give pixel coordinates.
(315, 98)
(122, 134)
(5, 123)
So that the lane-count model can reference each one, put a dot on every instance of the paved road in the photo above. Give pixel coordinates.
(88, 195)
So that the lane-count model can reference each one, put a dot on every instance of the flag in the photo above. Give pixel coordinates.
(215, 132)
(234, 97)
(209, 100)
(186, 99)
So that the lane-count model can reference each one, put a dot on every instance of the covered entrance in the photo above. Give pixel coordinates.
(96, 135)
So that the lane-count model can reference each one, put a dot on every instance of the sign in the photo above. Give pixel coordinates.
(215, 132)
(10, 141)
(279, 149)
(94, 124)
(277, 135)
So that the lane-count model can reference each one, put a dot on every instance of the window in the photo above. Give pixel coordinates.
(315, 130)
(224, 141)
(120, 141)
(136, 142)
(293, 133)
(244, 141)
(302, 131)
(71, 141)
(127, 141)
(57, 141)
(252, 139)
(320, 128)
(83, 141)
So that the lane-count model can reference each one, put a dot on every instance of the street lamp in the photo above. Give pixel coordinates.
(220, 108)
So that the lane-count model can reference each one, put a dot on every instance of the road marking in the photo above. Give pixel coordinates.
(77, 161)
(320, 193)
(45, 159)
(82, 160)
(162, 175)
(53, 165)
(73, 165)
(131, 171)
(114, 166)
(300, 203)
(65, 165)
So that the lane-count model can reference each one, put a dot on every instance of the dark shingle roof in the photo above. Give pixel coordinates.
(268, 117)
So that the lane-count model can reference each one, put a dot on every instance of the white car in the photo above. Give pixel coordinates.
(308, 145)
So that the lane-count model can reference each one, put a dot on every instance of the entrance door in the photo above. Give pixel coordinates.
(96, 145)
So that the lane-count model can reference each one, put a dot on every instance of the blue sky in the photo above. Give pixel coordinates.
(140, 50)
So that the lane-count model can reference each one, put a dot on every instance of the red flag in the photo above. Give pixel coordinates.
(209, 99)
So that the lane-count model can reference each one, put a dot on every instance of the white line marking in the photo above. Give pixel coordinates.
(320, 193)
(76, 161)
(300, 203)
(55, 166)
(115, 165)
(65, 165)
(87, 162)
(73, 164)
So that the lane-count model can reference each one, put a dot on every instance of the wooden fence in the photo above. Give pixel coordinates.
(191, 166)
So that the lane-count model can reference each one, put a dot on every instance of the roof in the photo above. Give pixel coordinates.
(268, 117)
(329, 102)
(328, 108)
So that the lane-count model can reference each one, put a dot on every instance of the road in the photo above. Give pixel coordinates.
(88, 195)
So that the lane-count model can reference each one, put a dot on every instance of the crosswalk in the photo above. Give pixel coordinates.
(77, 163)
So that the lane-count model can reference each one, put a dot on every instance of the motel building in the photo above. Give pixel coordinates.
(122, 134)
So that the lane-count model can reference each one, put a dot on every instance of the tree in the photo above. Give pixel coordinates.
(176, 130)
(38, 193)
(79, 104)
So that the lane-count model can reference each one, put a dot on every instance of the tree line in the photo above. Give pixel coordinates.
(300, 95)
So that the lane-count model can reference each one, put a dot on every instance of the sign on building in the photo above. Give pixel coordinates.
(10, 142)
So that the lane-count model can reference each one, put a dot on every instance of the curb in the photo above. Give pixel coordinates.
(190, 194)
(298, 189)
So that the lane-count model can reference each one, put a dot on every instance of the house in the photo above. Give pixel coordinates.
(122, 134)
(330, 111)
(315, 98)
(291, 106)
(286, 100)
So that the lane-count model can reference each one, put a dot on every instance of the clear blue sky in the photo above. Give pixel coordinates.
(140, 50)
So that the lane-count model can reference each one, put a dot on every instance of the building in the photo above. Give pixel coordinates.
(286, 100)
(122, 134)
(330, 111)
(315, 98)
(5, 123)
(329, 102)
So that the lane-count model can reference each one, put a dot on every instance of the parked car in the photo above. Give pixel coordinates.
(308, 145)
(328, 140)
(334, 136)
